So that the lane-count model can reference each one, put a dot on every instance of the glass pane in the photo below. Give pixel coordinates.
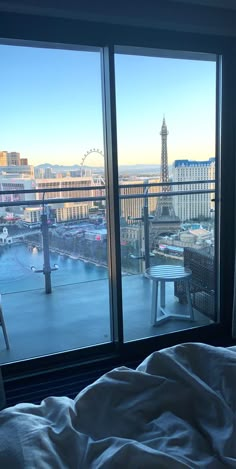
(53, 250)
(166, 108)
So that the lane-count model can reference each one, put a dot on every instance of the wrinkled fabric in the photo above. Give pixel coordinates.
(176, 410)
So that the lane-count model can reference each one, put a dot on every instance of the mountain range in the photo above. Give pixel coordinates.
(128, 169)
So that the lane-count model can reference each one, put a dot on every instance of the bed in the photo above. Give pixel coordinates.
(176, 410)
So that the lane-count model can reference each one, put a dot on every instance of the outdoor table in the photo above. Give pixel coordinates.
(163, 274)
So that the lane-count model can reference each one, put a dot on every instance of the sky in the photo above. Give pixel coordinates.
(51, 106)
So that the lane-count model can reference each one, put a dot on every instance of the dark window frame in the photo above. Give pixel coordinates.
(18, 28)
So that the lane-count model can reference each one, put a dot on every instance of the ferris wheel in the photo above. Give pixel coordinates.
(93, 152)
(92, 155)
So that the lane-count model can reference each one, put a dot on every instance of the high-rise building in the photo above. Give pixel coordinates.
(12, 165)
(132, 207)
(3, 158)
(17, 171)
(38, 172)
(70, 183)
(44, 172)
(48, 173)
(32, 214)
(70, 211)
(194, 206)
(13, 158)
(24, 161)
(13, 184)
(165, 219)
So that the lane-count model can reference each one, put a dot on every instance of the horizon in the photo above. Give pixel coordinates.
(122, 165)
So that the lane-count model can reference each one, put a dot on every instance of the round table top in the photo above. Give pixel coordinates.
(168, 273)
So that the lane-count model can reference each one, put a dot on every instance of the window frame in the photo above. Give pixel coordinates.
(66, 32)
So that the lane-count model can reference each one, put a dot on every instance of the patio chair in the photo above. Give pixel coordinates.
(202, 286)
(2, 324)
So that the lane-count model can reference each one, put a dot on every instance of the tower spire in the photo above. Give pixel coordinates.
(165, 220)
(164, 155)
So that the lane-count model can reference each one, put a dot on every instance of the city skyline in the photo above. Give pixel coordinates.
(52, 106)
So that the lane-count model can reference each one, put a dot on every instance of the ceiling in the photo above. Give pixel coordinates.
(200, 16)
(79, 8)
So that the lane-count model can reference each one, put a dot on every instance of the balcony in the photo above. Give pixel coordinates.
(77, 312)
(40, 324)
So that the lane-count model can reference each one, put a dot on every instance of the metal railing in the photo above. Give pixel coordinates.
(39, 202)
(145, 218)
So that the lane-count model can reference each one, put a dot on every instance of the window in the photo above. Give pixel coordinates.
(165, 102)
(55, 108)
(106, 314)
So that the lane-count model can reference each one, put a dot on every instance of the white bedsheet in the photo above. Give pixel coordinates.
(177, 410)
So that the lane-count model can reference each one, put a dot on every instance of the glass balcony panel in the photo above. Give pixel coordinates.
(166, 114)
(21, 256)
(23, 282)
(191, 246)
(76, 312)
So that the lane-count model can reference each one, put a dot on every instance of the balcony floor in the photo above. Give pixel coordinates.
(77, 315)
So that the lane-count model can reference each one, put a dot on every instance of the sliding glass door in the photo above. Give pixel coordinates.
(168, 170)
(108, 188)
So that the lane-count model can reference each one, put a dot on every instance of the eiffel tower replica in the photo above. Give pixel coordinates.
(165, 220)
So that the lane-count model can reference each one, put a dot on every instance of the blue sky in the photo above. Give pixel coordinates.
(51, 106)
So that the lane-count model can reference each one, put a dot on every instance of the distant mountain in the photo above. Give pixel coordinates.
(139, 169)
(57, 166)
(123, 169)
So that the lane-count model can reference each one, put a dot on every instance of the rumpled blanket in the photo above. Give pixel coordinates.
(176, 410)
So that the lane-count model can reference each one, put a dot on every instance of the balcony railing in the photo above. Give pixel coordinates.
(71, 257)
(44, 201)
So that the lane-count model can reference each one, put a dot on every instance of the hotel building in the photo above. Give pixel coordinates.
(193, 206)
(133, 207)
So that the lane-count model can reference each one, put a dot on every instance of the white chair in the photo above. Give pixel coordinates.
(2, 324)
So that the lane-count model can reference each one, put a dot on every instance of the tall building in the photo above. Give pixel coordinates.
(11, 164)
(70, 211)
(24, 161)
(70, 183)
(38, 172)
(63, 183)
(132, 207)
(3, 158)
(17, 171)
(44, 172)
(194, 206)
(13, 184)
(13, 158)
(165, 220)
(48, 173)
(32, 214)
